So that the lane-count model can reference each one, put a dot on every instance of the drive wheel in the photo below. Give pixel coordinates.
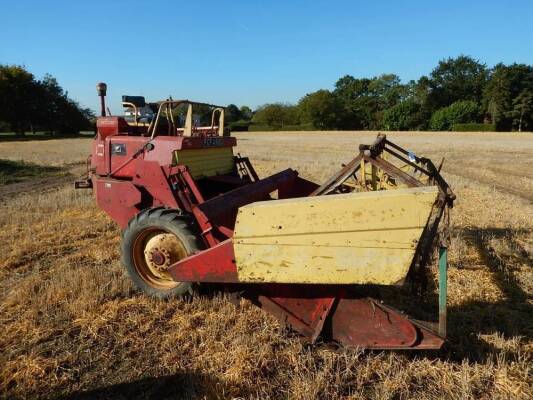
(155, 239)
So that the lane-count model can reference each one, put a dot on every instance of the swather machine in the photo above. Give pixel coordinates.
(313, 255)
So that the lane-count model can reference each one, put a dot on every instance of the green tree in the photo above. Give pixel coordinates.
(403, 116)
(276, 115)
(419, 91)
(364, 100)
(246, 113)
(232, 113)
(522, 112)
(506, 83)
(19, 96)
(52, 111)
(462, 111)
(322, 109)
(458, 90)
(238, 119)
(461, 78)
(388, 90)
(355, 101)
(29, 104)
(57, 112)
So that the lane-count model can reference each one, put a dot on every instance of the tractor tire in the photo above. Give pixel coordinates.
(153, 240)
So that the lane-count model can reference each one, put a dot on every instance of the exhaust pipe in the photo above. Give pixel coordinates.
(101, 89)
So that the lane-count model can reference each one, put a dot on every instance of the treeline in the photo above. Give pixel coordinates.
(460, 94)
(31, 105)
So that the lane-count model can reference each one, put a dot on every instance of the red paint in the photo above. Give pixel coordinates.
(305, 315)
(216, 264)
(107, 126)
(119, 199)
(146, 170)
(299, 188)
(231, 201)
(367, 323)
(329, 312)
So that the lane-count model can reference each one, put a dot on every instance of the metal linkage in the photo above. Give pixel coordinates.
(373, 155)
(245, 169)
(338, 178)
(431, 171)
(443, 289)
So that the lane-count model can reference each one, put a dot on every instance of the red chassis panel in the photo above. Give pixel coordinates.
(215, 265)
(112, 150)
(122, 199)
(117, 198)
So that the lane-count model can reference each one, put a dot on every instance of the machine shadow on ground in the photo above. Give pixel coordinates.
(16, 171)
(510, 318)
(182, 385)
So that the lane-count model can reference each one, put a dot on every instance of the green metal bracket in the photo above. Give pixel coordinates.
(443, 289)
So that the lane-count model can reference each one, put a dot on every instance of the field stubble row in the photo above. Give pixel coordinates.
(73, 325)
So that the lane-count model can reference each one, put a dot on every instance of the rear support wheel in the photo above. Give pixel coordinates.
(155, 239)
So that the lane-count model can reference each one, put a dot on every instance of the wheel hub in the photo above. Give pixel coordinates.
(158, 258)
(161, 251)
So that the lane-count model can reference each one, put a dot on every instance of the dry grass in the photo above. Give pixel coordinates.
(73, 326)
(53, 152)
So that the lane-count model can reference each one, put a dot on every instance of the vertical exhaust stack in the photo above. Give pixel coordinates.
(101, 89)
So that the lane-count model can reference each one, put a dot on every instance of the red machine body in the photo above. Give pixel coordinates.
(125, 164)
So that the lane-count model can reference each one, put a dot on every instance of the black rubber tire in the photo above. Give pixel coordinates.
(171, 221)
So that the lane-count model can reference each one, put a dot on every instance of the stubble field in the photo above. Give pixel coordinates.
(74, 327)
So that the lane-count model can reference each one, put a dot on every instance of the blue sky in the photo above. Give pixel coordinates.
(251, 52)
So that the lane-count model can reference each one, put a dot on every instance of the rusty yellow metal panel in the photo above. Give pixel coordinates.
(206, 162)
(356, 238)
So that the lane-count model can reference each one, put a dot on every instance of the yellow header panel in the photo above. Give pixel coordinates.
(206, 162)
(356, 238)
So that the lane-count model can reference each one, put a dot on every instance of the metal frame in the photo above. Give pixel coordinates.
(443, 288)
(166, 104)
(373, 154)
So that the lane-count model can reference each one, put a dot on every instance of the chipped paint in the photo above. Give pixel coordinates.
(332, 239)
